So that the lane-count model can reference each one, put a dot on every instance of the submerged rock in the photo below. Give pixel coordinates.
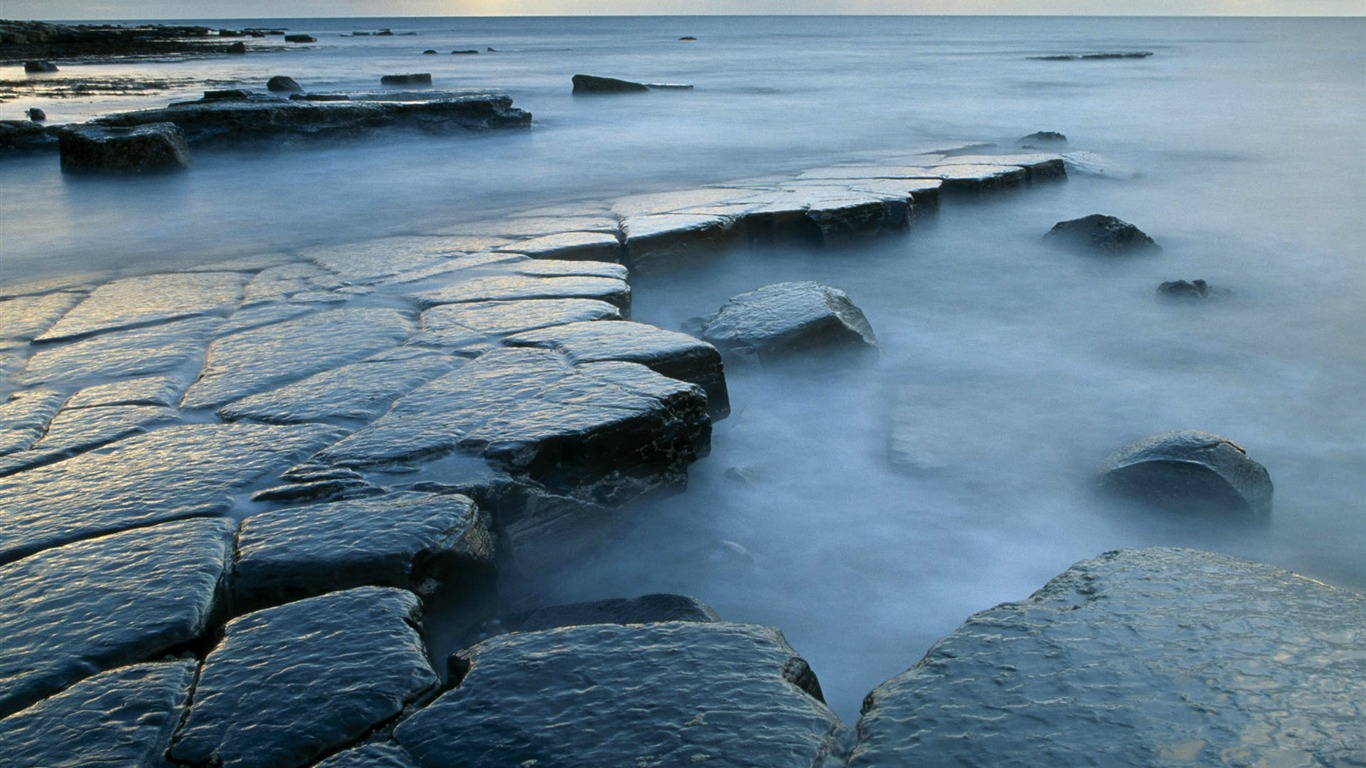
(69, 612)
(1190, 471)
(671, 694)
(1046, 139)
(116, 719)
(1099, 233)
(40, 67)
(416, 78)
(1095, 56)
(283, 84)
(300, 39)
(290, 684)
(785, 318)
(410, 540)
(1189, 290)
(595, 84)
(1158, 656)
(149, 148)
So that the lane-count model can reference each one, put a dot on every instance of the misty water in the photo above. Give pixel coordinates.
(866, 507)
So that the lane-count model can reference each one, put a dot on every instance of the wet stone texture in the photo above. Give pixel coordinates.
(174, 472)
(1159, 656)
(1191, 472)
(122, 354)
(671, 694)
(409, 540)
(290, 684)
(72, 611)
(24, 317)
(785, 318)
(646, 609)
(483, 325)
(116, 719)
(124, 303)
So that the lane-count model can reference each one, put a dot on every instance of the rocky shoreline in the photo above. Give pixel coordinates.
(37, 40)
(230, 493)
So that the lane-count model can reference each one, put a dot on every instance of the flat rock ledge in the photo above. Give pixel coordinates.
(784, 319)
(1159, 656)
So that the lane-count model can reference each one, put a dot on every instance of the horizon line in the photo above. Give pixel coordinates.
(709, 15)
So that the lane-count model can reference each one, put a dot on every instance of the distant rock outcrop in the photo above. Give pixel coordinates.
(595, 84)
(150, 148)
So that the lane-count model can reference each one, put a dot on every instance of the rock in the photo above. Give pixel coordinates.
(669, 86)
(123, 717)
(470, 52)
(1192, 472)
(265, 117)
(980, 178)
(594, 84)
(283, 84)
(135, 352)
(24, 317)
(370, 756)
(81, 429)
(238, 48)
(69, 612)
(24, 418)
(123, 304)
(300, 39)
(1095, 56)
(35, 114)
(409, 540)
(151, 148)
(676, 355)
(1048, 139)
(590, 246)
(27, 136)
(785, 318)
(1092, 164)
(162, 391)
(612, 290)
(39, 66)
(358, 391)
(288, 685)
(646, 609)
(1038, 166)
(1158, 656)
(417, 78)
(144, 480)
(1190, 290)
(430, 52)
(486, 323)
(687, 38)
(1099, 233)
(659, 243)
(592, 428)
(264, 358)
(660, 694)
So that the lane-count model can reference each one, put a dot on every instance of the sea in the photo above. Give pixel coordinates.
(865, 507)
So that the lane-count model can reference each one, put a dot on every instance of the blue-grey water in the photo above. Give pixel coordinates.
(867, 509)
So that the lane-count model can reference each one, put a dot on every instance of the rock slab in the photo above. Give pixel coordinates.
(1099, 233)
(150, 148)
(1191, 471)
(1159, 656)
(784, 318)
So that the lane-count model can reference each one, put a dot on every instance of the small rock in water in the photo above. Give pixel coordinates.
(429, 52)
(152, 148)
(300, 39)
(236, 48)
(415, 78)
(1101, 233)
(595, 84)
(36, 115)
(1189, 290)
(470, 52)
(283, 84)
(687, 37)
(1042, 139)
(1191, 472)
(40, 66)
(783, 318)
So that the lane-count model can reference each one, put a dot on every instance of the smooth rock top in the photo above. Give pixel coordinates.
(1160, 656)
(1099, 233)
(289, 684)
(128, 303)
(595, 84)
(674, 694)
(1191, 471)
(150, 148)
(646, 609)
(116, 719)
(69, 612)
(784, 318)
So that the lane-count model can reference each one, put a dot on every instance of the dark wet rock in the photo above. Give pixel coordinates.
(24, 418)
(283, 84)
(430, 52)
(1190, 290)
(148, 148)
(1158, 656)
(646, 609)
(687, 38)
(171, 473)
(163, 391)
(596, 426)
(980, 178)
(317, 491)
(675, 694)
(265, 117)
(612, 290)
(1095, 56)
(238, 48)
(40, 66)
(410, 540)
(486, 323)
(469, 52)
(24, 317)
(116, 719)
(673, 354)
(27, 136)
(360, 391)
(370, 756)
(658, 243)
(40, 40)
(80, 429)
(1038, 166)
(591, 246)
(35, 114)
(594, 84)
(300, 39)
(1045, 139)
(125, 303)
(258, 360)
(69, 612)
(1099, 233)
(783, 319)
(1194, 472)
(416, 78)
(290, 684)
(136, 352)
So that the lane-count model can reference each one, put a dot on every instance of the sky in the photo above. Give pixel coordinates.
(206, 9)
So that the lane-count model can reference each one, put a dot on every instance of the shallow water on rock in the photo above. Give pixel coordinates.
(867, 507)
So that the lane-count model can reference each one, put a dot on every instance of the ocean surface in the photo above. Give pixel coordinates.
(868, 508)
